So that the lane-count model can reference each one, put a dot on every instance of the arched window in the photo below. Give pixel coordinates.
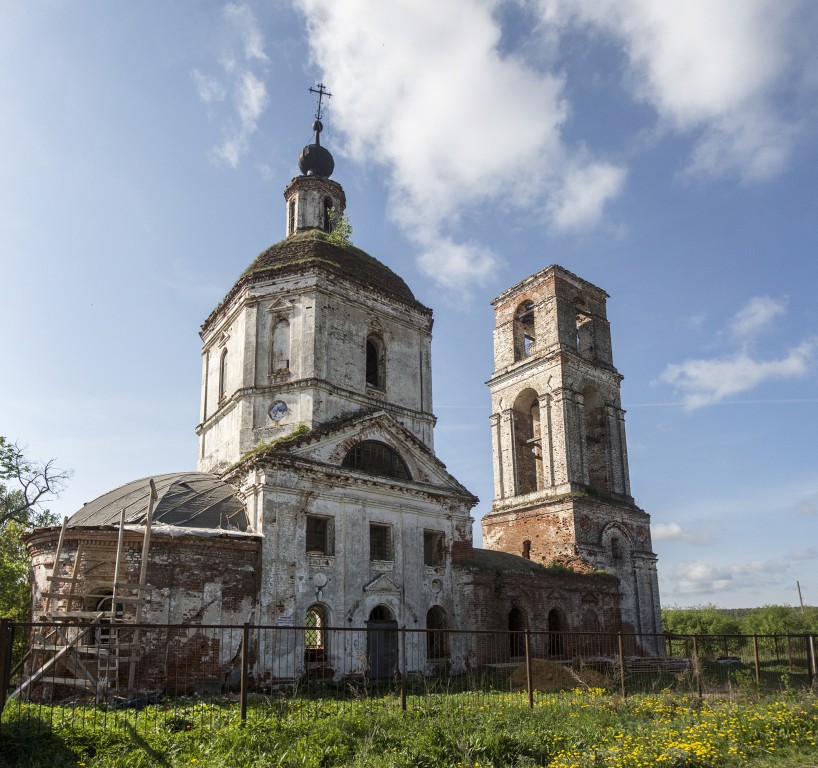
(328, 214)
(437, 641)
(376, 458)
(525, 338)
(104, 633)
(291, 217)
(223, 375)
(596, 439)
(315, 633)
(280, 347)
(375, 362)
(528, 437)
(516, 628)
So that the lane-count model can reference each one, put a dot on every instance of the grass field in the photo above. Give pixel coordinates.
(580, 729)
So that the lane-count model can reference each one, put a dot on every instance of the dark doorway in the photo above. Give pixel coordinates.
(516, 628)
(556, 626)
(382, 643)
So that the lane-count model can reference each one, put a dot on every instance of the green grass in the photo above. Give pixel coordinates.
(588, 729)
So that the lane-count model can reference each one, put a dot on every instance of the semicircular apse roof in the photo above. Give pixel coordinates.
(185, 499)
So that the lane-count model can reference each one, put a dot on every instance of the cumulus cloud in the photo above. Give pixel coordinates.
(715, 71)
(237, 96)
(675, 532)
(422, 88)
(708, 381)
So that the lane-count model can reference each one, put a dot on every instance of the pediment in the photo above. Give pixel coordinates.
(332, 446)
(381, 584)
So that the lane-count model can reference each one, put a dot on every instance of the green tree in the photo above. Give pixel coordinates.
(699, 620)
(778, 620)
(340, 228)
(25, 487)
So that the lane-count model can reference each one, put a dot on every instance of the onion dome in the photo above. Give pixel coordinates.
(314, 159)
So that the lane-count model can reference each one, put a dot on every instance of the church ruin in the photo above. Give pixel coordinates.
(319, 500)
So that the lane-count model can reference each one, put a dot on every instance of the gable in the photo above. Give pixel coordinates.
(332, 447)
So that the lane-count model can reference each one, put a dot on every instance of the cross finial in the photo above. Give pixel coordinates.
(322, 91)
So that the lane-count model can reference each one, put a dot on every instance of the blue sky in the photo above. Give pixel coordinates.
(664, 151)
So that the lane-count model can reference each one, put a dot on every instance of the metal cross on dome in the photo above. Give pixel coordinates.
(322, 91)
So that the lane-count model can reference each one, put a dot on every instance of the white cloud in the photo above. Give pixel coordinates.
(583, 194)
(697, 577)
(714, 70)
(758, 314)
(237, 84)
(675, 532)
(422, 89)
(446, 262)
(706, 382)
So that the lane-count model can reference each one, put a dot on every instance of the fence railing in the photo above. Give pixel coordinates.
(125, 667)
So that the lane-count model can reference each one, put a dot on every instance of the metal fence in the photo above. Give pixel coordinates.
(149, 671)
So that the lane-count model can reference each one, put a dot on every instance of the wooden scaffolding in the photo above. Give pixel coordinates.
(88, 650)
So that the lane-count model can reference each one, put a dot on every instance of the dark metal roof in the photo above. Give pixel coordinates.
(186, 499)
(312, 251)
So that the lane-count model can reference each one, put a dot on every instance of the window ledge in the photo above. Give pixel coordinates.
(320, 561)
(382, 565)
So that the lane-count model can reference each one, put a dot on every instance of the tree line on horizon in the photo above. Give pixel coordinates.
(765, 620)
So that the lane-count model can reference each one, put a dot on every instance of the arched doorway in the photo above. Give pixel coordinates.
(556, 626)
(381, 643)
(516, 628)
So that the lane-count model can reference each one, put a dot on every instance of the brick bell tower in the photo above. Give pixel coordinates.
(562, 487)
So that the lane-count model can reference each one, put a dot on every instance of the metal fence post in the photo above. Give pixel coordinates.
(528, 685)
(813, 668)
(697, 667)
(6, 642)
(755, 660)
(403, 669)
(621, 666)
(245, 658)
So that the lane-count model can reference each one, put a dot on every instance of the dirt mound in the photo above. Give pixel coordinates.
(550, 676)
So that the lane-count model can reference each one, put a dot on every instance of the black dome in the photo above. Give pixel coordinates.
(316, 160)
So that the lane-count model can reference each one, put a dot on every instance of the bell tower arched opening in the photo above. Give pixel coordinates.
(528, 433)
(596, 440)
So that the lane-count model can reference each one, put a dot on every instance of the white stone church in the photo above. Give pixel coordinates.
(319, 500)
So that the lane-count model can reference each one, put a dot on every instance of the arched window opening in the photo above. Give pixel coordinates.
(104, 633)
(596, 440)
(616, 548)
(585, 336)
(315, 633)
(375, 363)
(280, 347)
(291, 217)
(516, 628)
(376, 458)
(327, 214)
(556, 626)
(437, 640)
(527, 549)
(528, 436)
(223, 375)
(525, 338)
